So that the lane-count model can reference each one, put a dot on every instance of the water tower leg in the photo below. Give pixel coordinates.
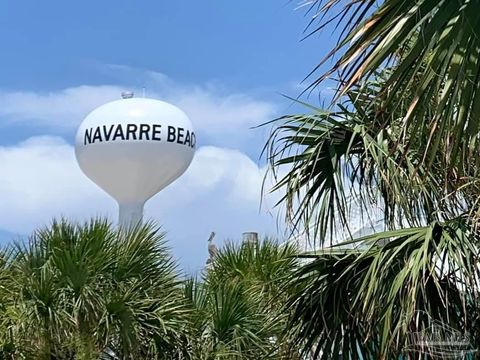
(130, 214)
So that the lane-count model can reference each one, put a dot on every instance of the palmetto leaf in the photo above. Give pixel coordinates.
(237, 307)
(434, 47)
(86, 289)
(350, 160)
(402, 133)
(263, 266)
(363, 304)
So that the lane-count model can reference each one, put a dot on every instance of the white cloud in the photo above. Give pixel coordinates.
(216, 112)
(213, 166)
(64, 109)
(39, 180)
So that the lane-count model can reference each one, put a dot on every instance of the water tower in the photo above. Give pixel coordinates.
(134, 147)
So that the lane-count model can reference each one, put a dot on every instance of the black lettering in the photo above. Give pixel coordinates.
(97, 136)
(119, 133)
(131, 130)
(107, 134)
(88, 136)
(187, 138)
(144, 130)
(171, 134)
(193, 140)
(156, 131)
(180, 135)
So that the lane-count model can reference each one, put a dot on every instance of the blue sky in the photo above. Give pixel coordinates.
(223, 62)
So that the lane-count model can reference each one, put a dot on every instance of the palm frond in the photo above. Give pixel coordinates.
(87, 289)
(346, 162)
(364, 303)
(432, 49)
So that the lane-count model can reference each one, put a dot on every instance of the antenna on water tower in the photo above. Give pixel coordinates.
(134, 147)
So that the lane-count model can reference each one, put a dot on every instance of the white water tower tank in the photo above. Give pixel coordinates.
(134, 147)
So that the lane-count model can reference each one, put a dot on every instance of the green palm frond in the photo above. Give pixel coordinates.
(87, 289)
(432, 48)
(237, 305)
(262, 266)
(351, 159)
(315, 148)
(363, 304)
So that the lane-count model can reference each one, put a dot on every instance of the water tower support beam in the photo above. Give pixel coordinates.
(130, 214)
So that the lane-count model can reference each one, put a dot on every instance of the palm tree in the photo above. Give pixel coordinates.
(237, 307)
(432, 48)
(80, 291)
(92, 291)
(364, 302)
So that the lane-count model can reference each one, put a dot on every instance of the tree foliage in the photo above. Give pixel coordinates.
(94, 291)
(78, 291)
(402, 134)
(432, 49)
(239, 304)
